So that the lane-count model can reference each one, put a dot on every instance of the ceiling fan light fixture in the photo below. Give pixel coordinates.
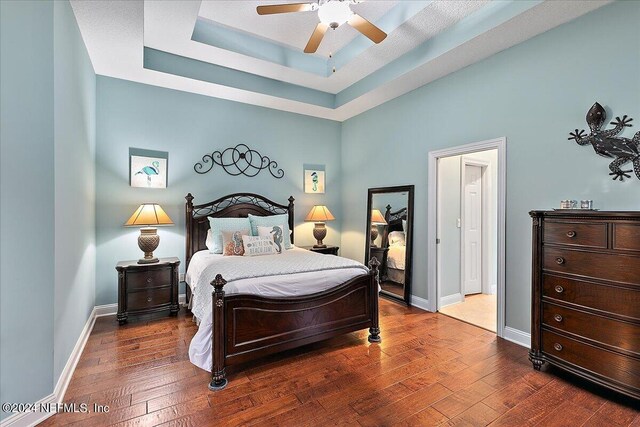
(334, 13)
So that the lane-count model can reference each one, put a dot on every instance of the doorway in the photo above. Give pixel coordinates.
(466, 233)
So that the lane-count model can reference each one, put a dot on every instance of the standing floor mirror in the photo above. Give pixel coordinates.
(390, 239)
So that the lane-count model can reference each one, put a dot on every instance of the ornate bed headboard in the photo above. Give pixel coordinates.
(234, 205)
(394, 223)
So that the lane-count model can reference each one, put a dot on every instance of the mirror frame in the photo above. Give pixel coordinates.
(409, 189)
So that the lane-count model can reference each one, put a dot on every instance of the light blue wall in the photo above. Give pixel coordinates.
(75, 129)
(26, 201)
(189, 126)
(533, 94)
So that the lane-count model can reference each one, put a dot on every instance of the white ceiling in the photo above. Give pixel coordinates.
(290, 29)
(116, 32)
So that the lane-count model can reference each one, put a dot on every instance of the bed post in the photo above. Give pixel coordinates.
(290, 212)
(374, 330)
(218, 380)
(188, 220)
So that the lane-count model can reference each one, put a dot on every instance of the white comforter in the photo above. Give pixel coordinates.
(396, 257)
(294, 272)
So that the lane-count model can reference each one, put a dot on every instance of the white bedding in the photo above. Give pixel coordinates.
(292, 273)
(396, 257)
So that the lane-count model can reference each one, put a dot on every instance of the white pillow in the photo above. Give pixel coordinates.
(270, 221)
(275, 233)
(396, 238)
(258, 245)
(404, 225)
(209, 242)
(218, 225)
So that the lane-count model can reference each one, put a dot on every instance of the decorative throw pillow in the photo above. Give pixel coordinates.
(232, 243)
(276, 233)
(270, 221)
(258, 245)
(218, 225)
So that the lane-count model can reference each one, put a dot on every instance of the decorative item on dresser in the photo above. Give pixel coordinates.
(247, 326)
(585, 315)
(147, 215)
(147, 288)
(327, 250)
(319, 214)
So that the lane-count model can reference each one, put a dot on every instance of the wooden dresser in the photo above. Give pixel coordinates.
(585, 315)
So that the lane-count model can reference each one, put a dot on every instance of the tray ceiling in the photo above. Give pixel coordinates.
(224, 49)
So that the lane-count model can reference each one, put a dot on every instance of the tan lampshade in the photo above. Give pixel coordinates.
(377, 218)
(149, 214)
(319, 213)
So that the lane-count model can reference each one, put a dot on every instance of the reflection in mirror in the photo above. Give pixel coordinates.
(390, 224)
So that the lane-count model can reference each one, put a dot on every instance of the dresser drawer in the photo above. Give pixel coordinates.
(610, 299)
(614, 267)
(579, 234)
(626, 237)
(590, 326)
(622, 369)
(149, 279)
(151, 298)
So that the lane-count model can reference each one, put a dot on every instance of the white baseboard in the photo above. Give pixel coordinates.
(494, 289)
(33, 418)
(517, 336)
(451, 299)
(420, 302)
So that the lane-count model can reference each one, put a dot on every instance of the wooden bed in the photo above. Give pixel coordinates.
(394, 223)
(246, 327)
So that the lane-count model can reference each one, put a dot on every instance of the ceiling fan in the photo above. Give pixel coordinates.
(332, 14)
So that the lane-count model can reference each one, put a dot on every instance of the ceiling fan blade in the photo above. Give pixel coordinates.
(316, 38)
(367, 28)
(284, 8)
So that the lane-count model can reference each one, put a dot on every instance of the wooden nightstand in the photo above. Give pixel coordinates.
(329, 250)
(147, 288)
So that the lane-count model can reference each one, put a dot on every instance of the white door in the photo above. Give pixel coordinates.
(472, 229)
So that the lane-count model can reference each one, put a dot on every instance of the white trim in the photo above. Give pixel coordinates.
(517, 336)
(422, 303)
(433, 286)
(451, 299)
(33, 418)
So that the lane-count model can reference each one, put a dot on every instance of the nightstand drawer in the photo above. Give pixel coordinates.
(138, 280)
(151, 298)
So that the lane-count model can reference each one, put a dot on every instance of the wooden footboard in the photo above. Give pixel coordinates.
(246, 327)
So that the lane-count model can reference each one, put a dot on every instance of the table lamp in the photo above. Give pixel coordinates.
(148, 215)
(376, 219)
(319, 214)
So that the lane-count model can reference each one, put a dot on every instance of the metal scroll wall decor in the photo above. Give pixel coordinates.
(607, 144)
(239, 160)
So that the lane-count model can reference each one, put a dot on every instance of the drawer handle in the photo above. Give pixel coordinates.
(149, 280)
(559, 289)
(557, 346)
(557, 318)
(559, 260)
(149, 299)
(571, 234)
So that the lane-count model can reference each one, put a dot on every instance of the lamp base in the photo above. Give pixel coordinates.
(319, 232)
(148, 242)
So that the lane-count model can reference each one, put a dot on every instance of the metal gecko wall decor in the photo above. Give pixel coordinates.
(239, 160)
(607, 144)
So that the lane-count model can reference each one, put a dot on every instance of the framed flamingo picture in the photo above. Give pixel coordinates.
(148, 168)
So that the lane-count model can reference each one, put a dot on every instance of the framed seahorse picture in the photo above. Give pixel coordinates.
(148, 168)
(314, 179)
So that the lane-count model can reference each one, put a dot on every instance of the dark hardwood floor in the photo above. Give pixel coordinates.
(430, 369)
